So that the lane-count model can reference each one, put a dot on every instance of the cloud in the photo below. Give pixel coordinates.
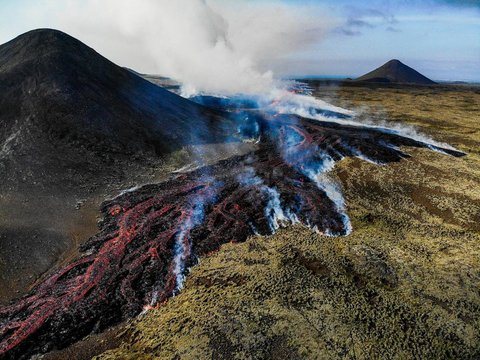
(348, 32)
(352, 22)
(393, 29)
(462, 3)
(363, 19)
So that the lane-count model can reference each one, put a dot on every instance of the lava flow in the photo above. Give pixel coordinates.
(152, 235)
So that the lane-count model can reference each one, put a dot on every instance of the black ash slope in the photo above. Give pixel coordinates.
(56, 93)
(71, 124)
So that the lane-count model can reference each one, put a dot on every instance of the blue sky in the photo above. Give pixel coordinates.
(439, 38)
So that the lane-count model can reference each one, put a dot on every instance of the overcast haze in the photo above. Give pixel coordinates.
(252, 42)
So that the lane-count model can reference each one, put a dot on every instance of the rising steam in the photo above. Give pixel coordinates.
(217, 46)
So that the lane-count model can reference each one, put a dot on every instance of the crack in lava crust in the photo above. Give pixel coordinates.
(150, 236)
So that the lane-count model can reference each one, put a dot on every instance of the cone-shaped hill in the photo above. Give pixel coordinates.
(73, 127)
(64, 106)
(395, 71)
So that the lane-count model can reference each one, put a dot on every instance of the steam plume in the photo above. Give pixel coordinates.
(216, 46)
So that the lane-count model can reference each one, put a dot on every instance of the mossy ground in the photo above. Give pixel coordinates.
(404, 285)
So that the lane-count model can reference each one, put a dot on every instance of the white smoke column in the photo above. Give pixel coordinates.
(332, 190)
(277, 216)
(182, 248)
(217, 46)
(274, 211)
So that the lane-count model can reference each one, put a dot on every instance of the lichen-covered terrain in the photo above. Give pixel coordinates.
(405, 284)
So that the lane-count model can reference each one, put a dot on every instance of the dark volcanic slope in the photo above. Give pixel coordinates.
(71, 124)
(395, 71)
(63, 106)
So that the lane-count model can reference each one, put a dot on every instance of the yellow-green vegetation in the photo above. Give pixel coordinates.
(404, 285)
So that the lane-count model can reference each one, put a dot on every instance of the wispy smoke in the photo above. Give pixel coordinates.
(219, 46)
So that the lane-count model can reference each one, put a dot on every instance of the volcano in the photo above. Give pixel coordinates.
(72, 121)
(394, 71)
(150, 236)
(62, 103)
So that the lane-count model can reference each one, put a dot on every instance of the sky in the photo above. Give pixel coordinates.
(264, 39)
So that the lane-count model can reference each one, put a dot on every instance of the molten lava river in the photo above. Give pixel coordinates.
(152, 235)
